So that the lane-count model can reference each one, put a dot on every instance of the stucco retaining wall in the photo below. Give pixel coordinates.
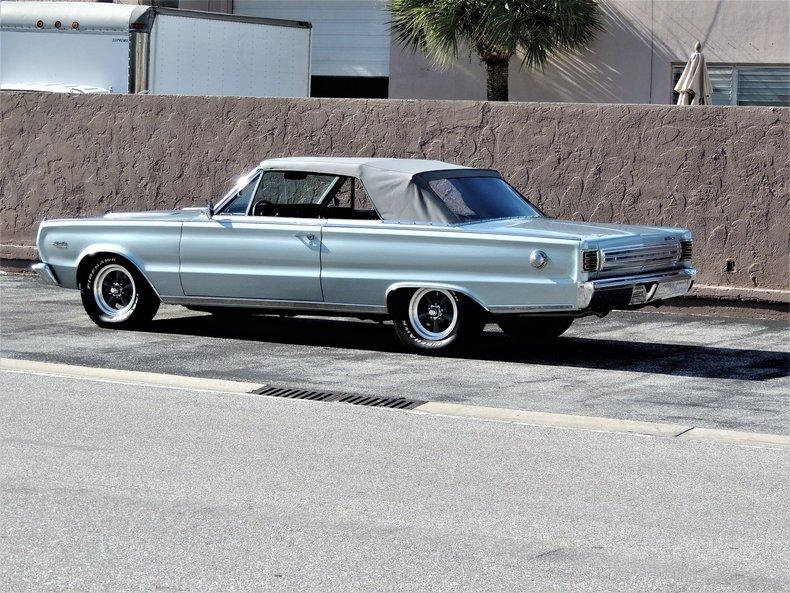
(723, 172)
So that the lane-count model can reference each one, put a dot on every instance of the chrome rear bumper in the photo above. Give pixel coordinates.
(634, 291)
(45, 273)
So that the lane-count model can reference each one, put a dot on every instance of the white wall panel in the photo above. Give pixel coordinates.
(51, 56)
(350, 37)
(191, 56)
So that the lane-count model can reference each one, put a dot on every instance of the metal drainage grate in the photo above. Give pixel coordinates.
(397, 403)
(319, 396)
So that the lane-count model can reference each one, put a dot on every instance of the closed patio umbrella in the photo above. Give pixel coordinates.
(694, 85)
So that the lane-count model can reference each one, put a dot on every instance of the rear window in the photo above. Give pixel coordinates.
(474, 199)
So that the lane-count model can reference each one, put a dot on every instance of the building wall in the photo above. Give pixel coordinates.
(350, 37)
(723, 172)
(630, 61)
(225, 6)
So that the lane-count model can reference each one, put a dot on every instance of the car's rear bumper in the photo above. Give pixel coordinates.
(630, 292)
(45, 273)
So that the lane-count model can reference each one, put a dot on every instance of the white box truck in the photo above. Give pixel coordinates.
(120, 48)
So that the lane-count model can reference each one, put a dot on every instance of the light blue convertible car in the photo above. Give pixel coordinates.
(438, 248)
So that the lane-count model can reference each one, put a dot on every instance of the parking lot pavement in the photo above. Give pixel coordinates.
(118, 487)
(704, 371)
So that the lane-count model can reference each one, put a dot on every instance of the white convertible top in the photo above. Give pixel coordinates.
(388, 182)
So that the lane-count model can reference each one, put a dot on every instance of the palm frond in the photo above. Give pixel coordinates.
(497, 29)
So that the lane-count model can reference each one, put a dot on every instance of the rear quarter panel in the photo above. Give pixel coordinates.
(151, 245)
(361, 261)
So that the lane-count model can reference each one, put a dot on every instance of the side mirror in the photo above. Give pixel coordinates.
(210, 210)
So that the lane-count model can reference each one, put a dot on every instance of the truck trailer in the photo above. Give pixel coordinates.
(119, 48)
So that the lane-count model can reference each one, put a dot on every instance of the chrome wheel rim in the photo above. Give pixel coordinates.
(115, 292)
(433, 313)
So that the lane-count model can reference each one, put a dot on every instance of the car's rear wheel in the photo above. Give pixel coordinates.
(115, 294)
(535, 328)
(435, 319)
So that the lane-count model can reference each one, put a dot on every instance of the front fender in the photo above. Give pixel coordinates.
(114, 249)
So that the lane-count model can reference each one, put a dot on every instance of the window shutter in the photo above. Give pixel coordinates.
(721, 81)
(764, 86)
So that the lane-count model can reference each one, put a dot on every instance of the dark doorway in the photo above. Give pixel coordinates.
(352, 87)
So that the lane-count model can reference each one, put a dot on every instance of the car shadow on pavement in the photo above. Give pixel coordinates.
(592, 353)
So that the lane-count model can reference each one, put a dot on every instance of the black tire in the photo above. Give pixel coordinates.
(453, 320)
(535, 328)
(114, 283)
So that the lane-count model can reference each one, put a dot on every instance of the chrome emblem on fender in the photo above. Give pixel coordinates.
(60, 244)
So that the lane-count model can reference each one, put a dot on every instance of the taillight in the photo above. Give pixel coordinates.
(686, 250)
(590, 261)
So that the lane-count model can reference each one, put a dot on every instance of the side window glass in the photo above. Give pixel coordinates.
(238, 204)
(362, 201)
(342, 198)
(289, 193)
(351, 201)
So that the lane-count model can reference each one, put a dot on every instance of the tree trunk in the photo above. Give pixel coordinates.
(496, 79)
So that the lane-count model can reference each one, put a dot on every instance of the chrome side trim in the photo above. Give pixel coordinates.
(339, 308)
(272, 304)
(684, 274)
(531, 308)
(45, 273)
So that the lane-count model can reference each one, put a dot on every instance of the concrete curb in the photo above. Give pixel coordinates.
(656, 429)
(142, 378)
(613, 425)
(555, 420)
(18, 252)
(736, 437)
(739, 293)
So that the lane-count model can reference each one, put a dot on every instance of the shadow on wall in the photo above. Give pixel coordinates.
(617, 68)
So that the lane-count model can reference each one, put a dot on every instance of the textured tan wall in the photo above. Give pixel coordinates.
(723, 172)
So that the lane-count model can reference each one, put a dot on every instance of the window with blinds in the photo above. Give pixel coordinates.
(764, 86)
(744, 85)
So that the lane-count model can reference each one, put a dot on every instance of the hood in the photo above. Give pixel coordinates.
(550, 228)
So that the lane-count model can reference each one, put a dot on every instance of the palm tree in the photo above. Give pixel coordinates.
(497, 30)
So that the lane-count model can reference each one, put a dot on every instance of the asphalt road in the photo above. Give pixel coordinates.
(117, 487)
(697, 370)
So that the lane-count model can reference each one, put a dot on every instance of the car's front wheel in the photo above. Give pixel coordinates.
(435, 319)
(115, 294)
(535, 328)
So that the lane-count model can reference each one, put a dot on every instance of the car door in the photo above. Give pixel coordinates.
(264, 243)
(357, 259)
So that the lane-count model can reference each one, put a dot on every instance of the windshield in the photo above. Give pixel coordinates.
(474, 199)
